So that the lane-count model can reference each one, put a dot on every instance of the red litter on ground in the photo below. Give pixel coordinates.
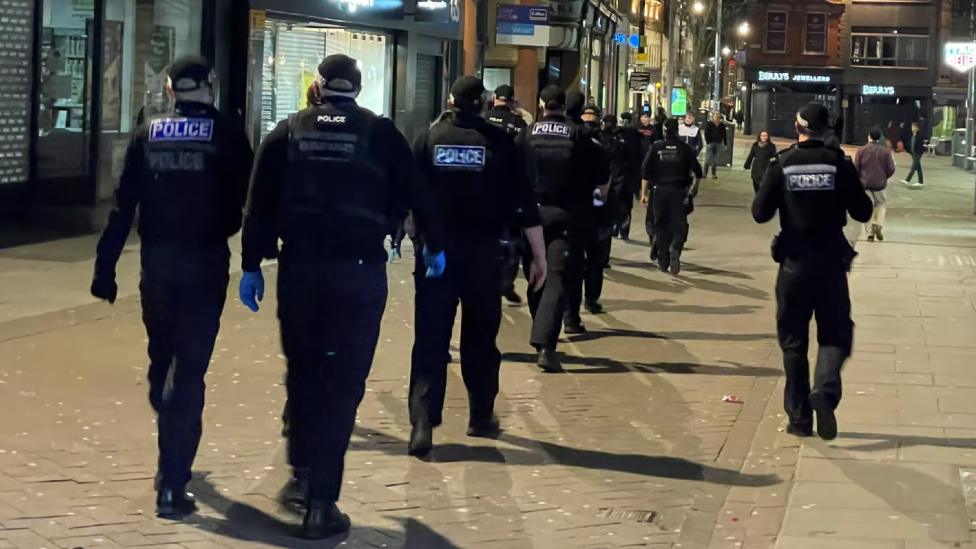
(733, 399)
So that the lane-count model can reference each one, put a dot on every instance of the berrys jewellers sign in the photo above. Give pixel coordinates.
(776, 76)
(877, 90)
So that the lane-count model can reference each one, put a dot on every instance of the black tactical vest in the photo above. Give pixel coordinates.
(335, 194)
(504, 118)
(812, 201)
(674, 160)
(184, 199)
(549, 158)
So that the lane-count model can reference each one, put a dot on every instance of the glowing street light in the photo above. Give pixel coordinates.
(726, 51)
(744, 29)
(698, 7)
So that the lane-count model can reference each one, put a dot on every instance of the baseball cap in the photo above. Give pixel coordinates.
(504, 92)
(553, 97)
(467, 92)
(340, 73)
(592, 110)
(190, 73)
(814, 118)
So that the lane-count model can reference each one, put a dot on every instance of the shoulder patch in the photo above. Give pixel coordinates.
(462, 157)
(181, 129)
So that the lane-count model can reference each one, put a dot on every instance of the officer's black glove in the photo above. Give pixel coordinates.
(105, 288)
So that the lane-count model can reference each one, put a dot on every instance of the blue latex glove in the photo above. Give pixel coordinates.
(435, 263)
(252, 289)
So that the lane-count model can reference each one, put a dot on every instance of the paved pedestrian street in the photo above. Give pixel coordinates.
(635, 446)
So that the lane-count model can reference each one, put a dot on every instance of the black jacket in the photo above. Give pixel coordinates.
(671, 163)
(716, 134)
(506, 119)
(478, 182)
(326, 171)
(813, 187)
(187, 173)
(759, 158)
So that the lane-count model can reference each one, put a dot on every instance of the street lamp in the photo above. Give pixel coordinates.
(698, 8)
(726, 51)
(744, 29)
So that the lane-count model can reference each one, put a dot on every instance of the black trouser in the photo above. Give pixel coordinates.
(330, 313)
(595, 255)
(756, 182)
(548, 305)
(471, 279)
(622, 203)
(183, 293)
(813, 286)
(916, 167)
(670, 221)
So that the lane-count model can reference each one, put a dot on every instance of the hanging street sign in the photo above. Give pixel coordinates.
(960, 55)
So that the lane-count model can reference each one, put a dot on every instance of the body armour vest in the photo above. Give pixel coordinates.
(549, 156)
(335, 195)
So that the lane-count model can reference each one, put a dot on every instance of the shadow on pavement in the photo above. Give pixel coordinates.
(594, 335)
(670, 306)
(887, 441)
(601, 365)
(247, 523)
(676, 285)
(529, 454)
(688, 267)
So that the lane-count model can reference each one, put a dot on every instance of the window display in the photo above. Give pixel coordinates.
(15, 89)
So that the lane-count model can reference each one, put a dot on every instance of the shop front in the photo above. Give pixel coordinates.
(892, 109)
(408, 59)
(774, 95)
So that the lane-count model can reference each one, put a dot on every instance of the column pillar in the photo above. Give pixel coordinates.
(527, 78)
(469, 36)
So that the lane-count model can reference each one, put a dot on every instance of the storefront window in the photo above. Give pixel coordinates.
(141, 38)
(16, 23)
(292, 53)
(495, 77)
(776, 27)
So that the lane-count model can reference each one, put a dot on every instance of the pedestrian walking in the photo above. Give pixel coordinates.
(876, 165)
(915, 146)
(760, 155)
(187, 172)
(633, 145)
(503, 116)
(559, 162)
(331, 182)
(813, 187)
(739, 119)
(597, 226)
(690, 134)
(481, 191)
(717, 139)
(672, 168)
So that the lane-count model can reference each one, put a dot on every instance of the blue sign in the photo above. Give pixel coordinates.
(181, 129)
(620, 38)
(522, 25)
(634, 41)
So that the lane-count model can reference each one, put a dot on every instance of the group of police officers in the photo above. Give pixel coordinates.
(332, 181)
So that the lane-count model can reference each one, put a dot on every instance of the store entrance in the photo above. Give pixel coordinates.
(284, 61)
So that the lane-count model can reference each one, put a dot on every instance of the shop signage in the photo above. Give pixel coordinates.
(634, 41)
(877, 90)
(387, 9)
(679, 101)
(785, 76)
(960, 55)
(438, 11)
(620, 38)
(640, 80)
(522, 25)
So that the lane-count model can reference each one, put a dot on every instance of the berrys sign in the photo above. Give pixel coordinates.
(960, 55)
(777, 76)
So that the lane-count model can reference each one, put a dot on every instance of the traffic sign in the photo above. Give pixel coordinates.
(960, 55)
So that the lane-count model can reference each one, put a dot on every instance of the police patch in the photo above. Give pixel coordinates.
(181, 129)
(555, 129)
(466, 157)
(810, 177)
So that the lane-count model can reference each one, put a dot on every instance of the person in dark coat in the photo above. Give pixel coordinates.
(761, 153)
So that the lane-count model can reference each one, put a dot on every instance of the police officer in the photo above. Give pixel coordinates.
(559, 162)
(331, 182)
(669, 167)
(503, 115)
(597, 225)
(632, 140)
(187, 173)
(623, 163)
(481, 190)
(813, 187)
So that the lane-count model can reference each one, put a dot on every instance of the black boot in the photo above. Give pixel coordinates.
(826, 420)
(174, 504)
(421, 438)
(485, 429)
(294, 494)
(549, 361)
(323, 520)
(512, 296)
(574, 327)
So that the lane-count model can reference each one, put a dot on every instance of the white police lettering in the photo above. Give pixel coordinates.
(811, 177)
(181, 129)
(331, 119)
(177, 161)
(465, 157)
(557, 129)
